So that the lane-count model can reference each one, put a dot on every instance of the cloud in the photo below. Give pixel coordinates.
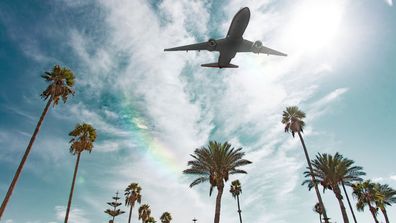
(378, 179)
(393, 177)
(76, 215)
(128, 85)
(389, 2)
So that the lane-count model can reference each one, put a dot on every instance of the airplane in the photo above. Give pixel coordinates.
(230, 45)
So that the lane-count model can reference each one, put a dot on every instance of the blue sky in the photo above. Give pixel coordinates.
(152, 109)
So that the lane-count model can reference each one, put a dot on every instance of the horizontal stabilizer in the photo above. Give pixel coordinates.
(216, 65)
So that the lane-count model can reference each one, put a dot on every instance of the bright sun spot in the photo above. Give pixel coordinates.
(315, 23)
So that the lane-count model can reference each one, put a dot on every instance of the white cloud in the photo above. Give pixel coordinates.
(393, 177)
(378, 179)
(76, 215)
(183, 107)
(389, 2)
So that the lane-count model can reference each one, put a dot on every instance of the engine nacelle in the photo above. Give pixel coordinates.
(257, 46)
(212, 44)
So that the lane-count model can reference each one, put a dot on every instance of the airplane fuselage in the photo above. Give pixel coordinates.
(239, 24)
(231, 43)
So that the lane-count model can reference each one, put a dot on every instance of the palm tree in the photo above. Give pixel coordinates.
(215, 163)
(132, 194)
(332, 171)
(144, 213)
(366, 195)
(317, 208)
(61, 81)
(166, 217)
(292, 118)
(387, 196)
(151, 220)
(236, 190)
(83, 137)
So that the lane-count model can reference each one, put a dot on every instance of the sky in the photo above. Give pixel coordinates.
(152, 108)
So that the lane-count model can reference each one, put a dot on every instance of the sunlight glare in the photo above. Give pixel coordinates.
(315, 23)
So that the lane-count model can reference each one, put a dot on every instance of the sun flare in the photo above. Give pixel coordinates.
(315, 24)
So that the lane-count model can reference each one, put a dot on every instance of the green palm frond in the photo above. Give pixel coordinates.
(384, 195)
(215, 163)
(132, 194)
(292, 118)
(144, 212)
(61, 82)
(365, 194)
(82, 139)
(236, 188)
(166, 217)
(150, 220)
(331, 171)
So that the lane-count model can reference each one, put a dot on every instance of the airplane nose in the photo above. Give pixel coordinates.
(245, 11)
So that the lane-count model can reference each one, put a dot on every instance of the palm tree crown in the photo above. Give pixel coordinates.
(215, 163)
(166, 217)
(144, 212)
(132, 194)
(83, 137)
(236, 188)
(386, 196)
(366, 195)
(61, 82)
(151, 220)
(333, 170)
(293, 119)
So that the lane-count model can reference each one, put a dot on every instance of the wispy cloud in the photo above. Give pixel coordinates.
(76, 215)
(389, 2)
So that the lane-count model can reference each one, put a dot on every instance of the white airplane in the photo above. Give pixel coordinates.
(231, 44)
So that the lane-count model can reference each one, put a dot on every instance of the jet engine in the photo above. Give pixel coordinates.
(212, 44)
(257, 46)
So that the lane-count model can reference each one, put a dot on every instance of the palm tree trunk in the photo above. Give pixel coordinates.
(239, 210)
(72, 188)
(372, 210)
(24, 158)
(326, 219)
(130, 214)
(385, 215)
(338, 195)
(218, 203)
(349, 202)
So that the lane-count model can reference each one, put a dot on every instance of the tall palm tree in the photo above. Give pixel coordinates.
(236, 190)
(132, 194)
(82, 140)
(61, 81)
(144, 213)
(331, 172)
(292, 118)
(215, 163)
(387, 196)
(317, 208)
(366, 195)
(166, 217)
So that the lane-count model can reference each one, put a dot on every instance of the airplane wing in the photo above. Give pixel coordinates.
(266, 50)
(257, 47)
(209, 45)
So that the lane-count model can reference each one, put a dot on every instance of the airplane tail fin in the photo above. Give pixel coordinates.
(216, 65)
